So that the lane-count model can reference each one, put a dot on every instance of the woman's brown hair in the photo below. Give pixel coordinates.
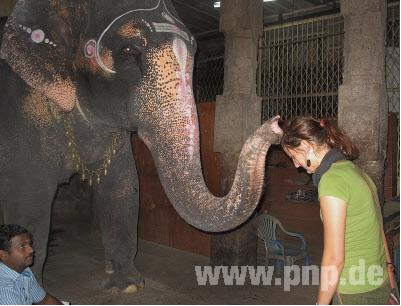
(317, 131)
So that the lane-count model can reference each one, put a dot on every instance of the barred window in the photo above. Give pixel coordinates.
(300, 67)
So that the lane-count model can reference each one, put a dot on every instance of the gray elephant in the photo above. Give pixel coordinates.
(77, 78)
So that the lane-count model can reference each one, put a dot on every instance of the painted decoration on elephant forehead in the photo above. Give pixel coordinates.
(170, 28)
(181, 53)
(147, 25)
(185, 93)
(37, 36)
(157, 6)
(168, 17)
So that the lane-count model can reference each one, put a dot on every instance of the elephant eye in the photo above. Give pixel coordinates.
(129, 50)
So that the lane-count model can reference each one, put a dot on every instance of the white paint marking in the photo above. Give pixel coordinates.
(170, 28)
(81, 111)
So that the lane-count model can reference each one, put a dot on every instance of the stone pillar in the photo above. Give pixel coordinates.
(363, 106)
(238, 114)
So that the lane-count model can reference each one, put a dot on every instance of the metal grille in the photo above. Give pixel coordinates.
(397, 154)
(393, 57)
(209, 77)
(300, 68)
(393, 78)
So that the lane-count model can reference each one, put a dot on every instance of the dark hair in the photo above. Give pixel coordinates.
(8, 232)
(319, 131)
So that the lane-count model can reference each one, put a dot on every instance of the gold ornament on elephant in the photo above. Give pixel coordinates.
(86, 173)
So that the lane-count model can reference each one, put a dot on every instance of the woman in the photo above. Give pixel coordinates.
(353, 245)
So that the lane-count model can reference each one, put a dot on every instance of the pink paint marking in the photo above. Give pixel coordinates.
(90, 48)
(37, 36)
(180, 51)
(183, 89)
(182, 85)
(184, 94)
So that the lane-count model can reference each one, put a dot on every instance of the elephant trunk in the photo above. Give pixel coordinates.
(169, 127)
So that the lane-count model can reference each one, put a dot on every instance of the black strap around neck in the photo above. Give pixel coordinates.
(331, 157)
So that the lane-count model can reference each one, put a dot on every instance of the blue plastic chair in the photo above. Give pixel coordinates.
(276, 249)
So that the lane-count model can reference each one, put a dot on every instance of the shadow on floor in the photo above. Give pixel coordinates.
(74, 271)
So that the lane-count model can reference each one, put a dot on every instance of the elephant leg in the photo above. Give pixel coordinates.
(29, 204)
(117, 205)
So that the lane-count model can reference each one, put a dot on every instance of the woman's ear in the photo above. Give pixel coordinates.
(39, 43)
(305, 146)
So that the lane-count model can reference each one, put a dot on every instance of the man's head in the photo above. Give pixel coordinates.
(16, 250)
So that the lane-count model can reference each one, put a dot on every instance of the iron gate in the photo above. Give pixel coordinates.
(393, 82)
(300, 67)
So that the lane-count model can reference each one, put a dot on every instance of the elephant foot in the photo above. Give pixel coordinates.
(130, 281)
(129, 289)
(123, 287)
(109, 267)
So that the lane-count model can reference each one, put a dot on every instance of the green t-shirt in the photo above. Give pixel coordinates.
(364, 250)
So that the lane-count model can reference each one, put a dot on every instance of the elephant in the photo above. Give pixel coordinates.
(77, 79)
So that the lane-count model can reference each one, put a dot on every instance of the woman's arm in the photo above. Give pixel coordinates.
(334, 211)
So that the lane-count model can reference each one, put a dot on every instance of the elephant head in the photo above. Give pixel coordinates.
(128, 65)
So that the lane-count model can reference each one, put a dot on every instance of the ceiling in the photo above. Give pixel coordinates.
(202, 18)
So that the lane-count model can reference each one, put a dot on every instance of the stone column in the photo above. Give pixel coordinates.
(238, 114)
(363, 106)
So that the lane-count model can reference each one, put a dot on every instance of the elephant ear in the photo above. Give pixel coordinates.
(39, 43)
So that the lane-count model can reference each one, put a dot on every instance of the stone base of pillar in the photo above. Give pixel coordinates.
(236, 248)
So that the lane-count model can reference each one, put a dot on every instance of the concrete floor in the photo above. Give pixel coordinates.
(74, 272)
